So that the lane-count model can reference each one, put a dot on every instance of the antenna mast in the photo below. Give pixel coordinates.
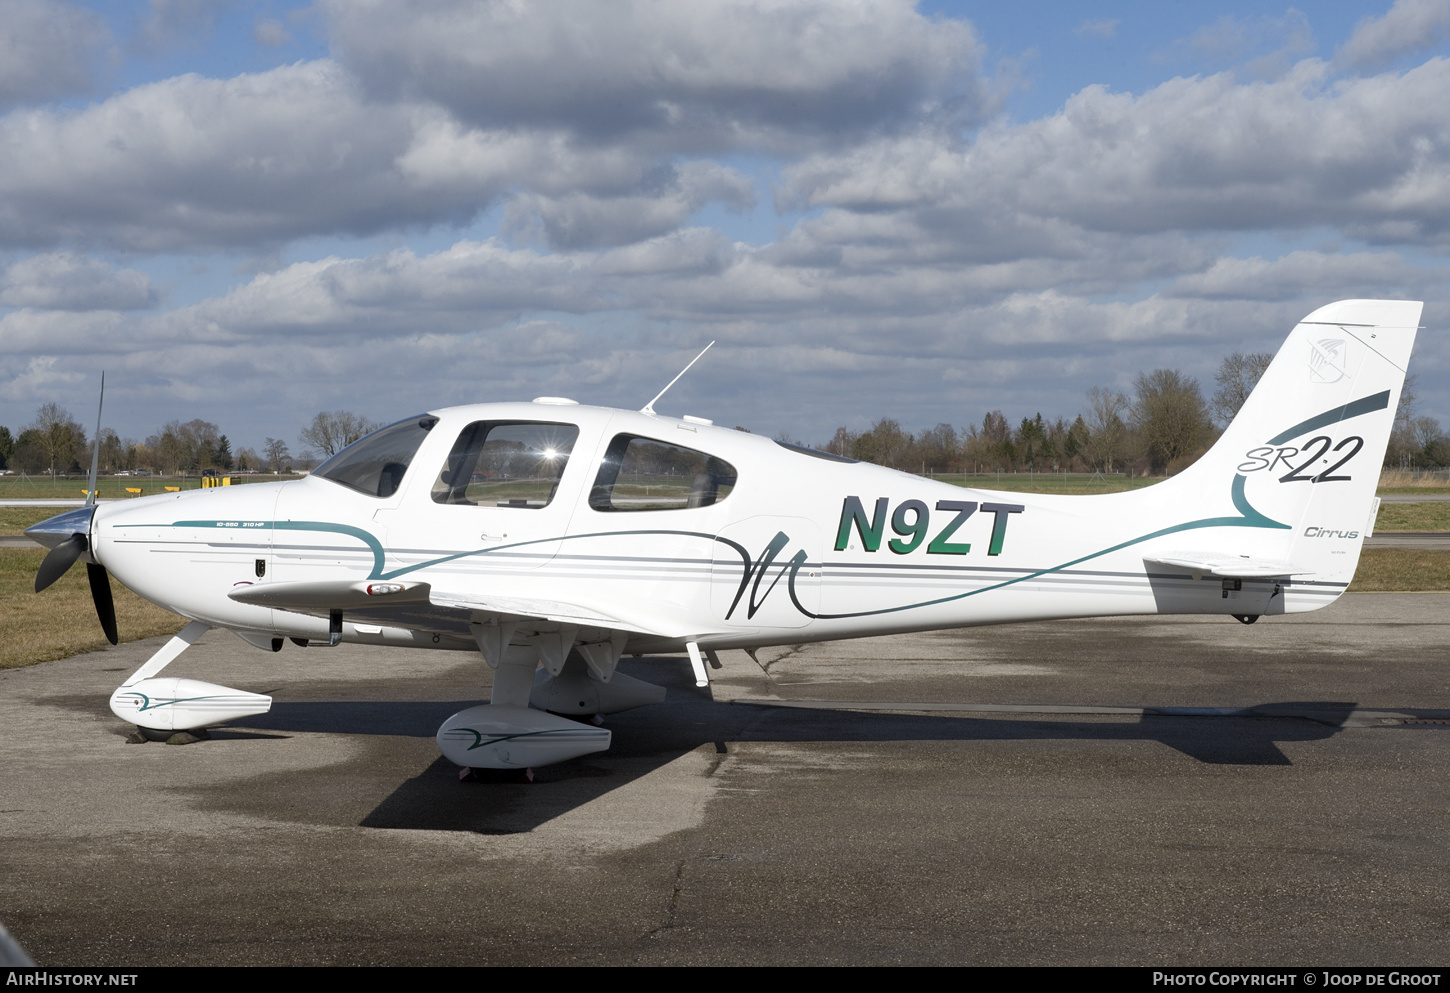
(649, 408)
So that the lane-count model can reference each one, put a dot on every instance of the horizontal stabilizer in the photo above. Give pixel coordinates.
(1225, 566)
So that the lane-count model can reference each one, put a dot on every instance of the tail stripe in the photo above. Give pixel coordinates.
(1333, 416)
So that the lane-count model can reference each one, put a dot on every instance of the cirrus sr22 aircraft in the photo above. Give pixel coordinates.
(553, 538)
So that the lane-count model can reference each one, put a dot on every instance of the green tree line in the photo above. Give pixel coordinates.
(1161, 428)
(55, 443)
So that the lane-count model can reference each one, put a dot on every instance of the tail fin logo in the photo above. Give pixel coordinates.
(1326, 360)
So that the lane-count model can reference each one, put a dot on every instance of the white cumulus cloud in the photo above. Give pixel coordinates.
(707, 75)
(68, 281)
(1409, 26)
(47, 49)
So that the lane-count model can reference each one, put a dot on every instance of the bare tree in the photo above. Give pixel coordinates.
(841, 443)
(1403, 449)
(332, 431)
(1405, 409)
(1427, 431)
(938, 449)
(1107, 435)
(112, 452)
(1170, 416)
(885, 444)
(276, 454)
(1236, 377)
(183, 447)
(58, 436)
(1434, 445)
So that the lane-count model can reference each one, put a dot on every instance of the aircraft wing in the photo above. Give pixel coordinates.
(318, 598)
(1225, 566)
(548, 610)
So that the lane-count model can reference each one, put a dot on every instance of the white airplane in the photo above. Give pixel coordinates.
(553, 538)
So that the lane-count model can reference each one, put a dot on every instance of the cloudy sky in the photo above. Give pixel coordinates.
(249, 212)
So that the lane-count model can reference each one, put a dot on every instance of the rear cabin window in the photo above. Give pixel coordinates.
(375, 465)
(644, 474)
(506, 464)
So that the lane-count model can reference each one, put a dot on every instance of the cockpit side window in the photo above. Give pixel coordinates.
(506, 464)
(644, 474)
(375, 465)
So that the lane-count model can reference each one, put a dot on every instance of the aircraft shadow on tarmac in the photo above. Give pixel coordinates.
(649, 738)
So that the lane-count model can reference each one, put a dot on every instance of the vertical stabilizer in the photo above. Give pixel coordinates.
(1306, 449)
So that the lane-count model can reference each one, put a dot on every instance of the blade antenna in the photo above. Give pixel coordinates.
(649, 408)
(96, 448)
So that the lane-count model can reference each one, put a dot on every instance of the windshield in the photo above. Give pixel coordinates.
(375, 465)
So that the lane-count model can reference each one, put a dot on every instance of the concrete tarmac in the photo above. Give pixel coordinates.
(1285, 803)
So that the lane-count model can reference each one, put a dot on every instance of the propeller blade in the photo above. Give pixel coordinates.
(59, 559)
(101, 594)
(96, 451)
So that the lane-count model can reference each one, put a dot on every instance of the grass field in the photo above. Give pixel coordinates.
(1391, 481)
(1045, 482)
(14, 520)
(1412, 481)
(1395, 570)
(108, 487)
(1412, 517)
(62, 621)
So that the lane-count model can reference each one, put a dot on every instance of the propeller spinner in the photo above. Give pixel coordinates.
(68, 538)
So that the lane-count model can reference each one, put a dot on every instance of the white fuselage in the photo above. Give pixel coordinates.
(800, 549)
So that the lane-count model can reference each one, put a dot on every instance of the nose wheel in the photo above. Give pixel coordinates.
(469, 774)
(178, 710)
(143, 735)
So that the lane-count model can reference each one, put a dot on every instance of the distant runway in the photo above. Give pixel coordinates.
(1147, 790)
(1429, 540)
(47, 503)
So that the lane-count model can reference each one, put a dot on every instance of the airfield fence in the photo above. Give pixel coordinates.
(65, 487)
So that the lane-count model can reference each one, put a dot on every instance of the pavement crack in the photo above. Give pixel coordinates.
(765, 666)
(673, 908)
